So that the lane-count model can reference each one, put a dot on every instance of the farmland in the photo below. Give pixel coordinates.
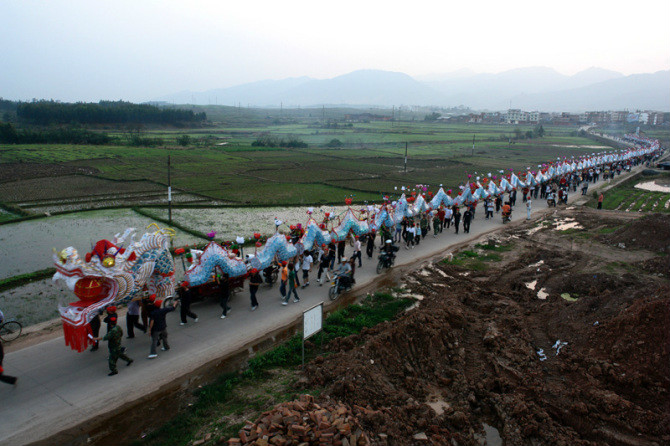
(220, 165)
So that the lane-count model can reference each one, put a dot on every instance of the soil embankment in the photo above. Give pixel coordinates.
(548, 343)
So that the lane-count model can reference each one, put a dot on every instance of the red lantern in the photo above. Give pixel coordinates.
(89, 289)
(327, 214)
(258, 244)
(257, 235)
(347, 201)
(323, 226)
(179, 251)
(292, 227)
(288, 237)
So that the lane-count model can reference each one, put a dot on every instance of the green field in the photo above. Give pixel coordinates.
(626, 197)
(221, 163)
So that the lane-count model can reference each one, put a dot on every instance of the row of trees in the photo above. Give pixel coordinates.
(59, 135)
(269, 140)
(104, 112)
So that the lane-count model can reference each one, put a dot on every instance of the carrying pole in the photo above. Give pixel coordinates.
(169, 192)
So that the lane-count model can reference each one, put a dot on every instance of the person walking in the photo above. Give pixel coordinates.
(357, 252)
(133, 318)
(409, 237)
(467, 217)
(95, 329)
(423, 225)
(601, 197)
(224, 293)
(324, 263)
(307, 261)
(291, 286)
(284, 279)
(5, 378)
(158, 328)
(340, 250)
(185, 300)
(448, 214)
(417, 234)
(498, 203)
(370, 243)
(116, 351)
(457, 219)
(437, 224)
(528, 208)
(585, 187)
(489, 209)
(255, 280)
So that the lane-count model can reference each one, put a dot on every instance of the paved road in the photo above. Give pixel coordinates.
(59, 388)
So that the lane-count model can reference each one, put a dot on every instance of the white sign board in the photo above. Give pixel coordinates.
(312, 321)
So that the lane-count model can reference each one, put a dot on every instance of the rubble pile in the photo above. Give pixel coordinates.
(303, 423)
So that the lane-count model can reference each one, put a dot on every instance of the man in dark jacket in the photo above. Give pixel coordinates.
(185, 299)
(158, 327)
(457, 218)
(467, 217)
(255, 281)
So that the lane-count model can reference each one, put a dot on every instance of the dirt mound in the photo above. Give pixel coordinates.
(22, 171)
(304, 423)
(482, 348)
(651, 232)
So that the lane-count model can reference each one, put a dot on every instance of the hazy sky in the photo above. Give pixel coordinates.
(138, 50)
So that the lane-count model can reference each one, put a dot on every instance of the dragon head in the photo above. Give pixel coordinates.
(111, 273)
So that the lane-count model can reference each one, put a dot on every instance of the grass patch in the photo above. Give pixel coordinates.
(474, 261)
(22, 279)
(493, 247)
(222, 407)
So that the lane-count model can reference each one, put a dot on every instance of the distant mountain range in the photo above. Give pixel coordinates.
(533, 88)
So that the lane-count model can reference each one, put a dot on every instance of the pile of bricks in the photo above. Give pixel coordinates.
(303, 423)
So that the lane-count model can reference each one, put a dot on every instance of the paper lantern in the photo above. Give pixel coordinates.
(257, 235)
(347, 201)
(179, 251)
(89, 289)
(259, 244)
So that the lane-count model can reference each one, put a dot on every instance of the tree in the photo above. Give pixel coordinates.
(539, 131)
(183, 140)
(432, 117)
(529, 134)
(334, 143)
(517, 133)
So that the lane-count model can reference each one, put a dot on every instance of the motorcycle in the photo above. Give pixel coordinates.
(337, 287)
(385, 261)
(506, 217)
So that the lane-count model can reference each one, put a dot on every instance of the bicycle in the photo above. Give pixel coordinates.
(10, 330)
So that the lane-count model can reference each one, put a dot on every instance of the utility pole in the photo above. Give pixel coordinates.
(405, 157)
(473, 145)
(169, 193)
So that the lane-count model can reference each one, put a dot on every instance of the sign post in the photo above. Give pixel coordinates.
(312, 323)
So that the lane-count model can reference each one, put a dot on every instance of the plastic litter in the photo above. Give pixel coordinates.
(558, 346)
(541, 354)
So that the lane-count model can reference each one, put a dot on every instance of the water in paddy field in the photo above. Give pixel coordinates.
(26, 246)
